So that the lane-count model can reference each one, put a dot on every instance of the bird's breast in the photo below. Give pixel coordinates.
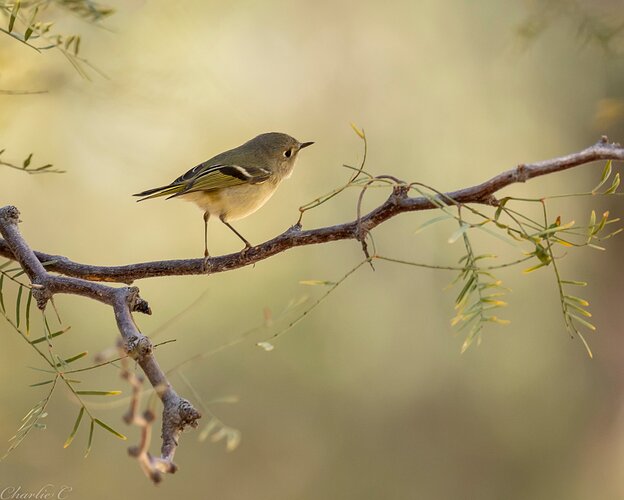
(235, 202)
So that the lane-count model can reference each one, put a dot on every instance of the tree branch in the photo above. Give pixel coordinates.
(177, 412)
(79, 279)
(398, 202)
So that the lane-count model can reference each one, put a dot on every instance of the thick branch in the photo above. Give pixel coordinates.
(177, 412)
(398, 202)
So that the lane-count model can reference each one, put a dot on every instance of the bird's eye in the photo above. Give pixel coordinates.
(288, 153)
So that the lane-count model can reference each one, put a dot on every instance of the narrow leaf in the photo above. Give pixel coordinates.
(572, 282)
(578, 300)
(14, 11)
(73, 358)
(358, 131)
(316, 282)
(469, 283)
(534, 268)
(459, 232)
(90, 440)
(50, 336)
(27, 161)
(28, 303)
(584, 312)
(75, 429)
(18, 303)
(1, 295)
(606, 173)
(614, 186)
(582, 321)
(45, 382)
(110, 429)
(98, 393)
(431, 222)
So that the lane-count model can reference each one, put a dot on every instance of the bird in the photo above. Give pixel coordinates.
(236, 183)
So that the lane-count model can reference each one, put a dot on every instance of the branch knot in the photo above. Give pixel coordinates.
(10, 214)
(188, 415)
(138, 347)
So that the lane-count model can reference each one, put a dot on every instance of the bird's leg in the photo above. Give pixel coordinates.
(206, 217)
(247, 244)
(206, 254)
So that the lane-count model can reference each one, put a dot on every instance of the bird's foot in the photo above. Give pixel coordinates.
(205, 263)
(245, 250)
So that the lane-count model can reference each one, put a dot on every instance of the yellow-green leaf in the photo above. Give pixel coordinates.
(359, 132)
(109, 429)
(98, 393)
(75, 429)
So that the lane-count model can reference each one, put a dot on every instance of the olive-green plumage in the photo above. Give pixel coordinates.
(235, 183)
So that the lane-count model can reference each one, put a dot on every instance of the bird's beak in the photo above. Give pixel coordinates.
(305, 144)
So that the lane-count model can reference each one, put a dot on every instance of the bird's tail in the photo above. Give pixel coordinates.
(158, 192)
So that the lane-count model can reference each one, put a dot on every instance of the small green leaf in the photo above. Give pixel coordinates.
(467, 287)
(359, 132)
(18, 304)
(27, 161)
(44, 167)
(470, 338)
(596, 247)
(572, 282)
(554, 229)
(431, 222)
(591, 227)
(110, 429)
(584, 312)
(75, 429)
(28, 303)
(606, 173)
(50, 336)
(495, 234)
(496, 319)
(98, 393)
(582, 321)
(534, 268)
(578, 300)
(73, 358)
(14, 11)
(90, 440)
(45, 382)
(317, 282)
(615, 185)
(501, 206)
(1, 294)
(459, 232)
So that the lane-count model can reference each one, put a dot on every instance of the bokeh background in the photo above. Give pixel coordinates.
(368, 397)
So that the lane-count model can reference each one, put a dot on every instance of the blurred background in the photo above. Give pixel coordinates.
(368, 397)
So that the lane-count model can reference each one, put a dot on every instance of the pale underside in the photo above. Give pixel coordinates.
(233, 203)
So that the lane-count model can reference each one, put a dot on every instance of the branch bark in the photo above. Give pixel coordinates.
(80, 279)
(177, 412)
(398, 202)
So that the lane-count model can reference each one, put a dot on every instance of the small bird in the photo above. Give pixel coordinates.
(237, 182)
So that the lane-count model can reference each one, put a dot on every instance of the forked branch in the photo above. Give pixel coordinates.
(177, 412)
(80, 279)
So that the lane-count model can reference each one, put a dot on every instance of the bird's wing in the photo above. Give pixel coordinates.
(208, 178)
